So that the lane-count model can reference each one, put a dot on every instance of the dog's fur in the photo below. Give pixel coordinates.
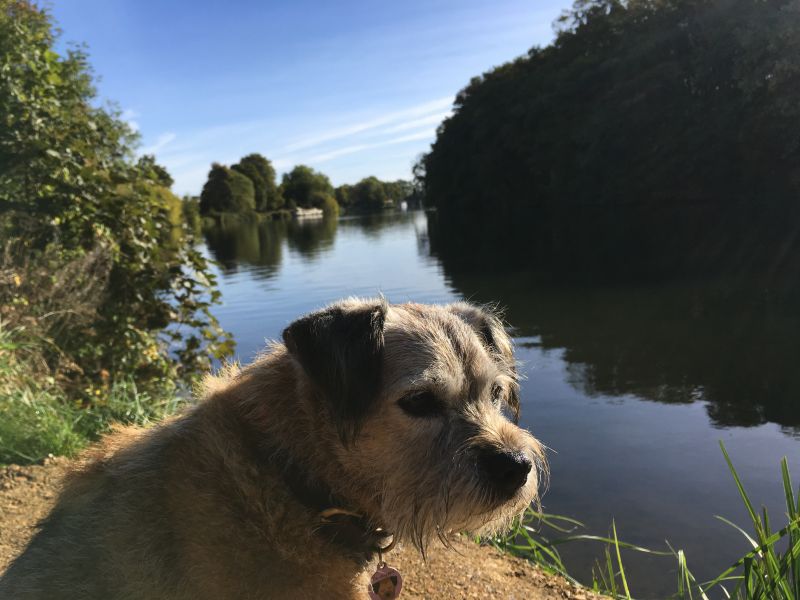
(221, 503)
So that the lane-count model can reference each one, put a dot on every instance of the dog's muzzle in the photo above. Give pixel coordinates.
(503, 471)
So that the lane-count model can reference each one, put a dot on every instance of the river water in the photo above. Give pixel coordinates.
(631, 386)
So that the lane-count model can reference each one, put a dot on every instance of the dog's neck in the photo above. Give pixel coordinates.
(330, 517)
(334, 519)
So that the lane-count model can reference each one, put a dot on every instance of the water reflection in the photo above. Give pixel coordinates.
(734, 344)
(233, 242)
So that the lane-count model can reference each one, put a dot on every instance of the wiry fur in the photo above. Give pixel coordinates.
(188, 510)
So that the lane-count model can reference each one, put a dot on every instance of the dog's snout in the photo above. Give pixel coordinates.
(505, 471)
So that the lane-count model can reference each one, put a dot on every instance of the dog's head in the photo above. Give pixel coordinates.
(424, 401)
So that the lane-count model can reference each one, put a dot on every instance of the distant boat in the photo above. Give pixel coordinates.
(307, 213)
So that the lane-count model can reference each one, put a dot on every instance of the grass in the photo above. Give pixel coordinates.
(769, 571)
(37, 418)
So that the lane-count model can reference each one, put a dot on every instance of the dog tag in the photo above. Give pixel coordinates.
(386, 583)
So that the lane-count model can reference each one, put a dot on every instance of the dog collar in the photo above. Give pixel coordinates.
(354, 533)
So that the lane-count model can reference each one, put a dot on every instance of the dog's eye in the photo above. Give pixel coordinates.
(422, 404)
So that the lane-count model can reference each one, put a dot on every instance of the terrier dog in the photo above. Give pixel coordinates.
(369, 422)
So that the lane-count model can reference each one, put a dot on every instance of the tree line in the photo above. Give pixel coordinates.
(650, 135)
(250, 186)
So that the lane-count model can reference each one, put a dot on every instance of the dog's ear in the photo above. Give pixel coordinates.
(340, 348)
(489, 327)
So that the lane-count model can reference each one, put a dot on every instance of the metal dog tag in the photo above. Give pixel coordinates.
(386, 583)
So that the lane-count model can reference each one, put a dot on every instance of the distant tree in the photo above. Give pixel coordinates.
(304, 187)
(227, 190)
(369, 194)
(325, 201)
(398, 191)
(343, 194)
(260, 171)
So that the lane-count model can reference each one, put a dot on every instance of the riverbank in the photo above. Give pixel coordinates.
(467, 571)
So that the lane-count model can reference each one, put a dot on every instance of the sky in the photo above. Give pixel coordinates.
(352, 88)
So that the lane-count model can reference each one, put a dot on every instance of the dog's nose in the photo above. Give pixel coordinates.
(505, 471)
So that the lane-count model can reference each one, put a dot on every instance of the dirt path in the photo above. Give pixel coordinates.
(468, 571)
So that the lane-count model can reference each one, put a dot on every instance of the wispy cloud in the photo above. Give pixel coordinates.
(162, 141)
(433, 119)
(188, 154)
(420, 135)
(363, 126)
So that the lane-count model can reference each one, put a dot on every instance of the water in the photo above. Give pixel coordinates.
(632, 387)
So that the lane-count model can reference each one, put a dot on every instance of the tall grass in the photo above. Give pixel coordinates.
(37, 418)
(769, 571)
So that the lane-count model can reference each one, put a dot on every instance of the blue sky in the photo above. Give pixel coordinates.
(352, 88)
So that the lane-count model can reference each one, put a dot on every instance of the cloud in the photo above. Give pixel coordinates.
(162, 141)
(355, 128)
(420, 135)
(188, 155)
(434, 119)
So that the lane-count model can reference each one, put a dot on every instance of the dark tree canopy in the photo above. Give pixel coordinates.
(227, 190)
(369, 193)
(305, 187)
(648, 128)
(260, 171)
(372, 194)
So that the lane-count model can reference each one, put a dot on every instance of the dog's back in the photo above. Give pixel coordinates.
(108, 533)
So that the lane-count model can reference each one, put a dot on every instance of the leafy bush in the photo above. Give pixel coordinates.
(95, 267)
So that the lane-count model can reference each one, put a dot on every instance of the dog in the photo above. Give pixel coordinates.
(368, 424)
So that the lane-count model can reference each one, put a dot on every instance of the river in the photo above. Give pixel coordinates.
(631, 386)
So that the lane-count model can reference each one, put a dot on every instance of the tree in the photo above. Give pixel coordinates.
(260, 171)
(306, 187)
(369, 193)
(227, 190)
(398, 191)
(71, 187)
(343, 194)
(608, 146)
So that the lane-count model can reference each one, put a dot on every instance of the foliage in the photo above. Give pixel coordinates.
(190, 209)
(369, 193)
(37, 418)
(305, 187)
(154, 171)
(664, 132)
(343, 194)
(260, 171)
(326, 202)
(373, 194)
(227, 190)
(73, 193)
(764, 573)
